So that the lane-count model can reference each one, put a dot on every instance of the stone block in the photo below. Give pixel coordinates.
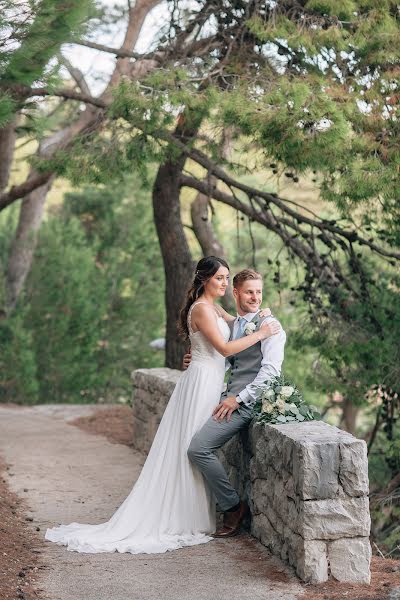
(289, 486)
(287, 450)
(333, 519)
(253, 468)
(292, 514)
(262, 495)
(163, 380)
(312, 562)
(294, 545)
(285, 552)
(262, 529)
(353, 470)
(257, 434)
(273, 517)
(350, 559)
(259, 468)
(313, 432)
(316, 470)
(278, 488)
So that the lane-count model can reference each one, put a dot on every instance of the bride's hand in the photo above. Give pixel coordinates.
(269, 328)
(265, 312)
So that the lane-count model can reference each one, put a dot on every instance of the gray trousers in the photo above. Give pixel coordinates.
(201, 452)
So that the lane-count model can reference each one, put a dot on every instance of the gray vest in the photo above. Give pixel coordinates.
(244, 366)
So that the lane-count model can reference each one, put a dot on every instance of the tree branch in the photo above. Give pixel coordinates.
(19, 191)
(68, 94)
(77, 76)
(137, 15)
(300, 248)
(120, 52)
(213, 169)
(323, 225)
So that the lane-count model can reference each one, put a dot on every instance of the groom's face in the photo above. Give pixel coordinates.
(248, 296)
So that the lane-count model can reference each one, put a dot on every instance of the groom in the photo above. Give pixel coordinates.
(249, 368)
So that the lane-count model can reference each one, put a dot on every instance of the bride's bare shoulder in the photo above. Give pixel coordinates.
(202, 314)
(202, 308)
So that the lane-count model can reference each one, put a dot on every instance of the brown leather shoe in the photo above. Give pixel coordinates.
(232, 521)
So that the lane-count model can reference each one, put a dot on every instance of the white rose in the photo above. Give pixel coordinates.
(287, 391)
(267, 407)
(280, 405)
(250, 327)
(268, 394)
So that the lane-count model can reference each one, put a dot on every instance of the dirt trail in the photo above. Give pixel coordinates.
(71, 475)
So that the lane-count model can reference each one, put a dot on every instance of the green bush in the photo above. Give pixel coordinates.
(92, 302)
(66, 302)
(18, 370)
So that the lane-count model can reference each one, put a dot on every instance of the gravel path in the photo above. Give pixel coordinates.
(71, 475)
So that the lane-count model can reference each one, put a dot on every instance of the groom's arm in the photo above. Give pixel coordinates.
(273, 353)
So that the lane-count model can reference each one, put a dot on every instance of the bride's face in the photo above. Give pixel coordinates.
(217, 284)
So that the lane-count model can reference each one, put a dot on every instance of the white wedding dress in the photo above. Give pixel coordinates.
(169, 506)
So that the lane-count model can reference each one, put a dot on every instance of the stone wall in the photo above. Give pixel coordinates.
(306, 483)
(151, 391)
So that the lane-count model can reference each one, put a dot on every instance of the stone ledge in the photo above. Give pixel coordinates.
(158, 380)
(307, 484)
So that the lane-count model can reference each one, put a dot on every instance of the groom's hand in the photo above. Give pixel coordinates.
(186, 360)
(225, 409)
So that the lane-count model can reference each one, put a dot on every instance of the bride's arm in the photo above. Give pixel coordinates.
(203, 318)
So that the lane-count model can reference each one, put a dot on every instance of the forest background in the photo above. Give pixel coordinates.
(137, 137)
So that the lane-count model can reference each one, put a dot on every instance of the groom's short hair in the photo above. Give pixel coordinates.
(245, 275)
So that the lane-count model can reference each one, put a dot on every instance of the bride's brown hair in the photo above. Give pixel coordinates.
(206, 268)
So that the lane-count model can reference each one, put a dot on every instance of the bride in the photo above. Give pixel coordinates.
(170, 506)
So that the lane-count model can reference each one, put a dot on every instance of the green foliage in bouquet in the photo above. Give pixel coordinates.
(279, 401)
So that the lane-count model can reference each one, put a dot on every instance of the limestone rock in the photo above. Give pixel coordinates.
(316, 469)
(262, 529)
(350, 560)
(353, 471)
(162, 380)
(312, 564)
(152, 389)
(333, 519)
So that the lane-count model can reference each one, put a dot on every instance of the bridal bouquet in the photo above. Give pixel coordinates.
(279, 401)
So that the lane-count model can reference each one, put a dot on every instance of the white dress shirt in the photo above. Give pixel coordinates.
(272, 349)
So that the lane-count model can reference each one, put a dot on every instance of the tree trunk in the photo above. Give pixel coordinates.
(348, 420)
(202, 225)
(7, 144)
(209, 243)
(178, 264)
(24, 244)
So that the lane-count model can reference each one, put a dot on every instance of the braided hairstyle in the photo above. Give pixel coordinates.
(206, 268)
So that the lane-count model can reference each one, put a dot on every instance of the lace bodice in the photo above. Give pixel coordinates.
(202, 349)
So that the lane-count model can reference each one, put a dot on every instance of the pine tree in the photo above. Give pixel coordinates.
(310, 88)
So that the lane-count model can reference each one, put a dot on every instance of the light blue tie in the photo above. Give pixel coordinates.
(240, 330)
